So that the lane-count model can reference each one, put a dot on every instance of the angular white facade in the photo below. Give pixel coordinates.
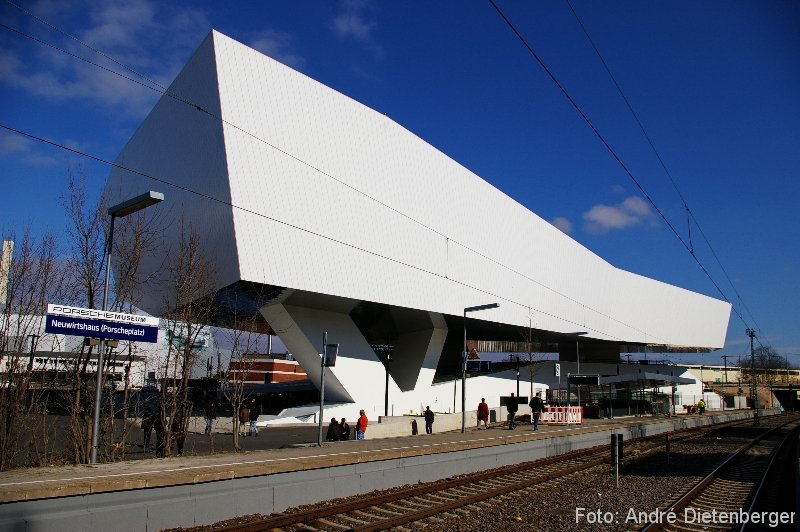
(332, 204)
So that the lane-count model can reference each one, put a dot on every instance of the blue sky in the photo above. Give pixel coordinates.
(716, 86)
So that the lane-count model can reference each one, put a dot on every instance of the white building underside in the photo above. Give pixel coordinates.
(323, 215)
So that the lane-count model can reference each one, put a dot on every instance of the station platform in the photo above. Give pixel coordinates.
(184, 491)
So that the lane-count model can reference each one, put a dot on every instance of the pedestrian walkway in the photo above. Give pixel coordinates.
(38, 483)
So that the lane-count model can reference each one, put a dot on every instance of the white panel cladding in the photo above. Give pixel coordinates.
(335, 198)
(673, 321)
(372, 212)
(182, 145)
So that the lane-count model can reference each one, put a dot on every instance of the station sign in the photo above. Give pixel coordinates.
(105, 324)
(479, 366)
(586, 380)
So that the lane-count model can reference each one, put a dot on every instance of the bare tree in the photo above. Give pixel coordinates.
(244, 340)
(190, 290)
(767, 362)
(85, 266)
(136, 236)
(32, 275)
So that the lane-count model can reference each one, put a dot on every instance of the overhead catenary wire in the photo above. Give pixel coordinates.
(166, 92)
(613, 153)
(689, 213)
(158, 88)
(312, 232)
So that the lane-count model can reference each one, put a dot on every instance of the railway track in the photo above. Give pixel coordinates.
(736, 490)
(437, 501)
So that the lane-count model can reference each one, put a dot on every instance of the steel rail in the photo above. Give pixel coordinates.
(756, 498)
(698, 488)
(282, 520)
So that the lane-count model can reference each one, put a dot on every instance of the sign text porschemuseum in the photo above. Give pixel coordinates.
(78, 321)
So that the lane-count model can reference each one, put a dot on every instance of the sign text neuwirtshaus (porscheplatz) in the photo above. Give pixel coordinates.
(78, 321)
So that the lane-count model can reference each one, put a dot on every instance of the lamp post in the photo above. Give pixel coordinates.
(577, 336)
(753, 385)
(117, 211)
(386, 395)
(329, 352)
(464, 363)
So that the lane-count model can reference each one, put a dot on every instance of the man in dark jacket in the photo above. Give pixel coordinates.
(512, 412)
(255, 411)
(428, 420)
(537, 406)
(345, 430)
(210, 414)
(334, 431)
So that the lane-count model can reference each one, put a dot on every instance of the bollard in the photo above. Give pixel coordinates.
(614, 450)
(616, 440)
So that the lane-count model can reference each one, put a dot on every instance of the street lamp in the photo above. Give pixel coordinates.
(117, 211)
(577, 336)
(464, 363)
(753, 385)
(329, 352)
(386, 396)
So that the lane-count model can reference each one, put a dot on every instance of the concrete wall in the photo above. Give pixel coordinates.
(334, 198)
(206, 503)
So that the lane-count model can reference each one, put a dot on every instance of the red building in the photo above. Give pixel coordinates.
(257, 368)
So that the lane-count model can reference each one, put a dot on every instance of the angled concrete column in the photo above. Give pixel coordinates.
(358, 375)
(418, 348)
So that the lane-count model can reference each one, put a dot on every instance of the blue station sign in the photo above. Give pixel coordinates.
(78, 321)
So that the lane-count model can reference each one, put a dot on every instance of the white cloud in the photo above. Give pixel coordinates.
(24, 149)
(563, 224)
(278, 45)
(353, 25)
(355, 22)
(153, 39)
(632, 211)
(12, 143)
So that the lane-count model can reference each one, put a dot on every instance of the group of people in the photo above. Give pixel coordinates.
(337, 430)
(512, 405)
(340, 431)
(248, 416)
(153, 420)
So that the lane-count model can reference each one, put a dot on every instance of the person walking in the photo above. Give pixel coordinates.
(537, 406)
(161, 443)
(512, 407)
(210, 414)
(701, 406)
(483, 413)
(151, 410)
(244, 418)
(255, 411)
(606, 404)
(361, 425)
(428, 420)
(180, 426)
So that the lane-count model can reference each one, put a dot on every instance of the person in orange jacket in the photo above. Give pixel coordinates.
(361, 425)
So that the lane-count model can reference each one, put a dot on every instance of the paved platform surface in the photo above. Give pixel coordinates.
(48, 482)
